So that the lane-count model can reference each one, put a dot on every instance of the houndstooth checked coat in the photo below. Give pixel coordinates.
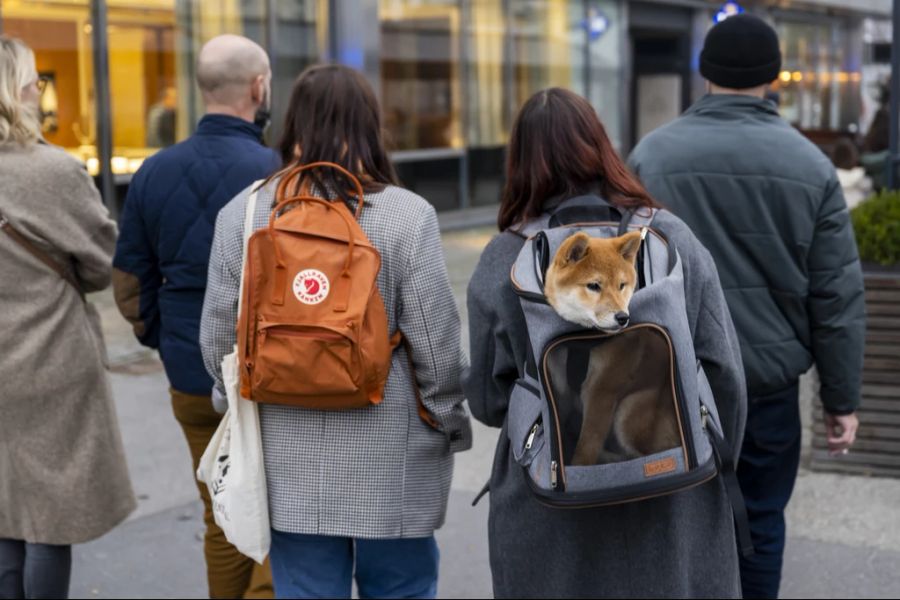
(377, 472)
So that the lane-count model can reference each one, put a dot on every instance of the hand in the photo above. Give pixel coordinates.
(841, 432)
(219, 400)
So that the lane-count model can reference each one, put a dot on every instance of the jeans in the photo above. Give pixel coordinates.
(34, 570)
(314, 566)
(229, 573)
(767, 471)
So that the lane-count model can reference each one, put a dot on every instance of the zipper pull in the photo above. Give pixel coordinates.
(704, 416)
(553, 467)
(530, 441)
(644, 231)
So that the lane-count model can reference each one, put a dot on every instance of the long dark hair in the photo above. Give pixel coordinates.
(559, 147)
(334, 116)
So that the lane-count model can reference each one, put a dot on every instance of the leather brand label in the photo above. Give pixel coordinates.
(660, 467)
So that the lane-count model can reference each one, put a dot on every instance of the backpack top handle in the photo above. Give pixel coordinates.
(294, 173)
(351, 239)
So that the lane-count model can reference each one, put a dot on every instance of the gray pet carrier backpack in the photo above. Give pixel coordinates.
(552, 411)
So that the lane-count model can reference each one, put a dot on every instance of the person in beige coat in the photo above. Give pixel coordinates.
(63, 476)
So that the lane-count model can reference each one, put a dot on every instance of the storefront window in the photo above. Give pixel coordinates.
(606, 32)
(818, 88)
(153, 46)
(518, 48)
(60, 35)
(420, 83)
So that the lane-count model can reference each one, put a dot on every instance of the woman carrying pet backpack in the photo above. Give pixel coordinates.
(602, 345)
(349, 342)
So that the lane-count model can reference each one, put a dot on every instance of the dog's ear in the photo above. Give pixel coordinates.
(574, 248)
(629, 244)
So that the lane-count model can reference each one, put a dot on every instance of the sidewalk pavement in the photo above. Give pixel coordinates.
(844, 530)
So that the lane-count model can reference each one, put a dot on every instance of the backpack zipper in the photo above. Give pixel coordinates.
(530, 441)
(553, 467)
(286, 331)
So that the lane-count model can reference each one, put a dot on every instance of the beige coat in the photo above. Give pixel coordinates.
(63, 476)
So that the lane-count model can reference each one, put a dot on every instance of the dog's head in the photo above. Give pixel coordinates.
(591, 280)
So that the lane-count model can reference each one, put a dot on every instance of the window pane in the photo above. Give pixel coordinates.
(548, 45)
(606, 30)
(60, 36)
(420, 73)
(153, 46)
(298, 33)
(818, 87)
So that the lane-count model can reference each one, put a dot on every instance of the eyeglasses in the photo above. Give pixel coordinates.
(41, 83)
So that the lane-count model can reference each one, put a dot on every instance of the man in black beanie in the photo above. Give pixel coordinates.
(767, 205)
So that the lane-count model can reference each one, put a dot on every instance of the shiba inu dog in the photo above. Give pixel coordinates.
(627, 395)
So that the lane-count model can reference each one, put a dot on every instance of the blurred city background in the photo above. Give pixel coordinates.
(451, 74)
(119, 85)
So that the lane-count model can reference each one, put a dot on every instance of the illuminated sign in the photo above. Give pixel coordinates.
(729, 9)
(596, 23)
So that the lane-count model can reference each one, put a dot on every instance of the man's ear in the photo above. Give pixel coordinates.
(629, 244)
(574, 249)
(258, 90)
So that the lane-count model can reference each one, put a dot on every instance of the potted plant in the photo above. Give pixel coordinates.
(876, 223)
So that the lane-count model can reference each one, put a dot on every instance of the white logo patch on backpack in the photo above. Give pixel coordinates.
(311, 286)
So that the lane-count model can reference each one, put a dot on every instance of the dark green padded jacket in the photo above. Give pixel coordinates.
(767, 204)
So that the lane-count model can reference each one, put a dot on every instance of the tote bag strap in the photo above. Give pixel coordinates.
(249, 214)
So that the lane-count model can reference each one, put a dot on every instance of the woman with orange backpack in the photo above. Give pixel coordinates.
(355, 365)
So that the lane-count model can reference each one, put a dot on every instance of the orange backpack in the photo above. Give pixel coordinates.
(313, 331)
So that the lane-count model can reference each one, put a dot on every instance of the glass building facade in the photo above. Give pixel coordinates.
(451, 74)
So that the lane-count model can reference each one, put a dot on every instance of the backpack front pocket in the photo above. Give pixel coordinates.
(328, 355)
(525, 423)
(615, 399)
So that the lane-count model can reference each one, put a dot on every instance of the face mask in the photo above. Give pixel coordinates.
(263, 117)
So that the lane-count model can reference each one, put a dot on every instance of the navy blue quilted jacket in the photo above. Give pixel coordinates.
(166, 234)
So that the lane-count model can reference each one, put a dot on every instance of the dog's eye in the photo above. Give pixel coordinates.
(622, 286)
(594, 287)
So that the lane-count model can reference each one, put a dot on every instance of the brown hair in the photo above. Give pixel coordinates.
(333, 116)
(559, 147)
(844, 155)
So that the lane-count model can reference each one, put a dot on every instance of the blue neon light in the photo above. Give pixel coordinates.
(729, 9)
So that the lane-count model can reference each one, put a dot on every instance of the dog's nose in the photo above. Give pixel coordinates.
(622, 318)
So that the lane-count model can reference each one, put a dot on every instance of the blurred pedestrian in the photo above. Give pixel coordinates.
(854, 182)
(63, 476)
(163, 252)
(161, 119)
(768, 205)
(355, 492)
(682, 545)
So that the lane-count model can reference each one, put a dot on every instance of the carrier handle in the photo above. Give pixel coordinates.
(585, 209)
(294, 173)
(351, 240)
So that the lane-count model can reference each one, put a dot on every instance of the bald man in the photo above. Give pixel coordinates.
(163, 251)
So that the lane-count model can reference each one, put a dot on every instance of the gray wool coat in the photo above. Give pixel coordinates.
(63, 476)
(682, 545)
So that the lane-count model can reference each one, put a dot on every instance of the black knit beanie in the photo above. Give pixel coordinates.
(741, 52)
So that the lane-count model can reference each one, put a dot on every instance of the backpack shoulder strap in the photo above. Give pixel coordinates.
(640, 217)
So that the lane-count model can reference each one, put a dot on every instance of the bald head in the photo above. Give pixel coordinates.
(232, 71)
